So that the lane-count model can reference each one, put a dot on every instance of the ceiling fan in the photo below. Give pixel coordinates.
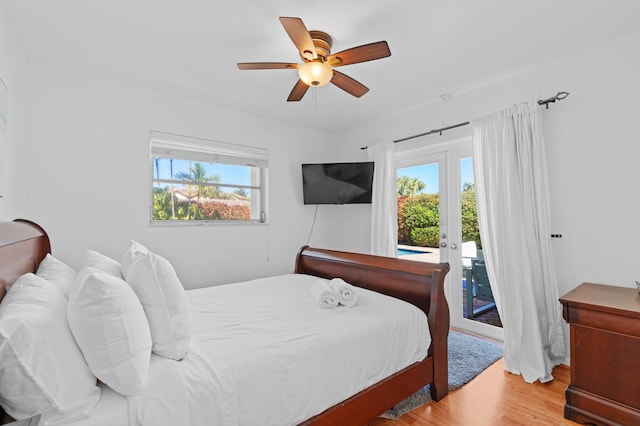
(317, 68)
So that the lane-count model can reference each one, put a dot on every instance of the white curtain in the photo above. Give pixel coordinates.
(514, 216)
(384, 225)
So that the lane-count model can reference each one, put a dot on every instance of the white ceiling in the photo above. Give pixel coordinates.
(191, 47)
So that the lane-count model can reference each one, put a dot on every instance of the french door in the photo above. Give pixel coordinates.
(441, 178)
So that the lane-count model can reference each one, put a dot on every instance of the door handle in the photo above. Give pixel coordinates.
(443, 244)
(454, 246)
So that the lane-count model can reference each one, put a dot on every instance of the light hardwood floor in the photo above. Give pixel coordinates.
(495, 397)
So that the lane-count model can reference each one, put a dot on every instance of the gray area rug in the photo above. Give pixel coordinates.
(468, 357)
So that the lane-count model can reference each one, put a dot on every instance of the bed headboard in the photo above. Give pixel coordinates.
(23, 245)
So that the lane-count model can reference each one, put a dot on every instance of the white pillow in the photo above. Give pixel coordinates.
(41, 367)
(108, 322)
(135, 249)
(165, 303)
(93, 259)
(58, 273)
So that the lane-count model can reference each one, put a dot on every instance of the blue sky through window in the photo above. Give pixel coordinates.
(227, 173)
(428, 173)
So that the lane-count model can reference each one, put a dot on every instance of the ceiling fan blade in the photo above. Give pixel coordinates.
(266, 65)
(366, 52)
(300, 36)
(348, 84)
(298, 91)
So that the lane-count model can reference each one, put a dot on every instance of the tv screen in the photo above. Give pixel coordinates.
(337, 183)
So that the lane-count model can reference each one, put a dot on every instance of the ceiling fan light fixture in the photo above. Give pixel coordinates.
(318, 65)
(315, 73)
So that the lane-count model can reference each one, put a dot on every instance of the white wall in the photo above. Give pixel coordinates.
(87, 170)
(13, 72)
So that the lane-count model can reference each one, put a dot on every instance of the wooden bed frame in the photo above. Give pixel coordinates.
(24, 244)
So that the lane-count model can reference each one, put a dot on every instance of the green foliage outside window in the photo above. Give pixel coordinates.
(469, 211)
(167, 207)
(419, 218)
(194, 197)
(409, 186)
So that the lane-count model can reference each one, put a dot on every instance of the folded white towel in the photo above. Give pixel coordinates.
(324, 295)
(346, 292)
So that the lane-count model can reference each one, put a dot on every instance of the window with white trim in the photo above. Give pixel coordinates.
(196, 181)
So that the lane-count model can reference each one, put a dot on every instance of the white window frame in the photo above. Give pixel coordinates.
(180, 147)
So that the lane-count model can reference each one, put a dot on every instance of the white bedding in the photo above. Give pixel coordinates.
(275, 358)
(110, 410)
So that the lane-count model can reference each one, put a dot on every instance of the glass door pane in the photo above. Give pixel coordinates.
(478, 303)
(419, 210)
(438, 222)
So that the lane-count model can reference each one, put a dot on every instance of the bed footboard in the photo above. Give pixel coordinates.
(419, 283)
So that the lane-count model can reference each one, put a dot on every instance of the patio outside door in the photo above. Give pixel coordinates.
(441, 178)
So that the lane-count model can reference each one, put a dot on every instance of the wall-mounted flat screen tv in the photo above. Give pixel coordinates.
(337, 183)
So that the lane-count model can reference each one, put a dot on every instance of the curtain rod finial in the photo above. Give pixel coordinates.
(558, 97)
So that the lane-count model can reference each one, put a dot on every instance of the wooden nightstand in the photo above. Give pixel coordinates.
(605, 354)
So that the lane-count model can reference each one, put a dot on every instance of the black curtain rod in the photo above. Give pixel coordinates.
(557, 97)
(430, 132)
